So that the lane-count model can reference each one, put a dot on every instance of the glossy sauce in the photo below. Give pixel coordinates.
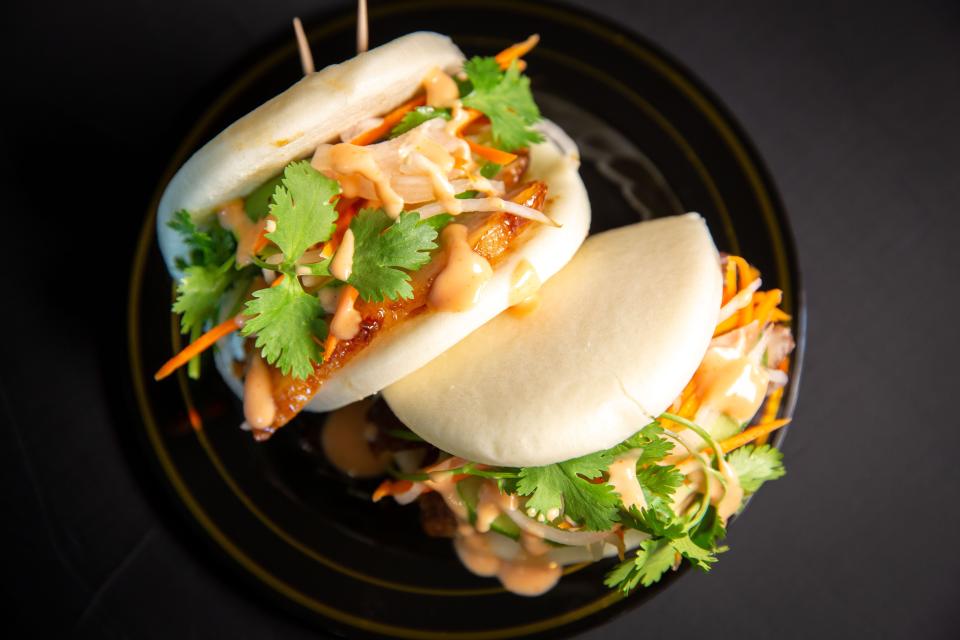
(233, 217)
(528, 572)
(346, 319)
(732, 384)
(348, 159)
(341, 267)
(524, 289)
(458, 285)
(443, 190)
(346, 442)
(623, 479)
(441, 90)
(259, 409)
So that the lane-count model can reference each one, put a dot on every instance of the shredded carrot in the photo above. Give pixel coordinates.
(743, 269)
(198, 346)
(516, 51)
(727, 325)
(472, 116)
(779, 316)
(729, 281)
(770, 409)
(391, 488)
(491, 154)
(389, 122)
(277, 281)
(329, 345)
(749, 435)
(770, 302)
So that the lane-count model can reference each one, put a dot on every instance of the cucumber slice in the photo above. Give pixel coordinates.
(724, 427)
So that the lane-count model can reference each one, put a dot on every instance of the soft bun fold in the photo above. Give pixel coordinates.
(620, 331)
(316, 109)
(418, 340)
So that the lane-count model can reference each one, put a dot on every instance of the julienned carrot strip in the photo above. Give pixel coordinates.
(770, 409)
(729, 281)
(277, 280)
(391, 488)
(198, 346)
(743, 269)
(749, 435)
(389, 122)
(472, 116)
(516, 51)
(493, 155)
(778, 315)
(329, 345)
(770, 302)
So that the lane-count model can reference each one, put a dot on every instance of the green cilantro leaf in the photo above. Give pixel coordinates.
(209, 247)
(650, 439)
(565, 487)
(199, 292)
(658, 480)
(698, 556)
(490, 170)
(287, 322)
(438, 222)
(303, 205)
(652, 560)
(755, 465)
(710, 531)
(257, 204)
(384, 247)
(505, 98)
(417, 117)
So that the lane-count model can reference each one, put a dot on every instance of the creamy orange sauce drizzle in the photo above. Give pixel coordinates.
(524, 289)
(442, 188)
(732, 494)
(528, 570)
(346, 319)
(441, 90)
(458, 285)
(233, 217)
(623, 479)
(341, 267)
(730, 382)
(346, 442)
(258, 406)
(346, 159)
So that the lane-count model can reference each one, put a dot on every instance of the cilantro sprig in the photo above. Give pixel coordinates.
(385, 250)
(286, 320)
(207, 274)
(505, 98)
(417, 117)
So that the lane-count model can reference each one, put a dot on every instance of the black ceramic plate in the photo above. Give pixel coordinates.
(654, 142)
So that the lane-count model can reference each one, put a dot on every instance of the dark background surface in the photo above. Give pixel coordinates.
(853, 107)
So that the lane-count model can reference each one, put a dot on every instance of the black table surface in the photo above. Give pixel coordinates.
(853, 105)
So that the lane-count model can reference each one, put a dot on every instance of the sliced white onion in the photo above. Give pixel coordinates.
(777, 379)
(545, 531)
(490, 204)
(528, 212)
(739, 301)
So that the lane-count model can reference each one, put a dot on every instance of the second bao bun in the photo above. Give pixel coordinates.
(619, 332)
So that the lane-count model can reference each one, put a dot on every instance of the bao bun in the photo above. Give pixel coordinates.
(317, 110)
(619, 332)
